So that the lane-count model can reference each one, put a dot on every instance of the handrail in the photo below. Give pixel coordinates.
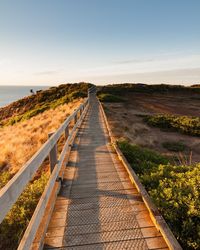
(12, 190)
(92, 89)
(34, 223)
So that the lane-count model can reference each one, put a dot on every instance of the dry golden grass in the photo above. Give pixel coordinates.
(20, 141)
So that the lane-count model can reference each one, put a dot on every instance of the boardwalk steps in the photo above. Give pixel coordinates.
(97, 202)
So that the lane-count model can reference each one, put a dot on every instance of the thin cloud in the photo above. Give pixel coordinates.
(187, 76)
(134, 61)
(157, 58)
(47, 72)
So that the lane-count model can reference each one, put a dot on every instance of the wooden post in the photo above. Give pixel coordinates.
(75, 119)
(66, 132)
(52, 155)
(89, 95)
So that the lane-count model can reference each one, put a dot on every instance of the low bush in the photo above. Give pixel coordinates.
(110, 98)
(4, 178)
(177, 196)
(184, 124)
(174, 189)
(141, 159)
(174, 146)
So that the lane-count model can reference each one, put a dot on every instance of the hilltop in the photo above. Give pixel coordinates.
(32, 105)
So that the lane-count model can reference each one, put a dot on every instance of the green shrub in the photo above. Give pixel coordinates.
(5, 176)
(184, 124)
(110, 98)
(174, 189)
(178, 197)
(16, 221)
(174, 146)
(141, 159)
(77, 94)
(13, 120)
(34, 112)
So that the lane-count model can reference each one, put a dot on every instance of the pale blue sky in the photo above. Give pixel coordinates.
(100, 41)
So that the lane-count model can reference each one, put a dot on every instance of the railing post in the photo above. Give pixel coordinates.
(66, 132)
(52, 155)
(75, 118)
(81, 110)
(89, 94)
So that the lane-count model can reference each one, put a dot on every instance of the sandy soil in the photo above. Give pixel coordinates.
(126, 121)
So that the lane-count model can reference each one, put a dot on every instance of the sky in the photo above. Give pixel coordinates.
(51, 42)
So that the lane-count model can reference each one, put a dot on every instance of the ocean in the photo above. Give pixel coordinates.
(10, 94)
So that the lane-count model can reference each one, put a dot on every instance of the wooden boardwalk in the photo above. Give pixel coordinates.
(98, 207)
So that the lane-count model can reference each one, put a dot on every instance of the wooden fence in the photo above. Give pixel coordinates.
(13, 189)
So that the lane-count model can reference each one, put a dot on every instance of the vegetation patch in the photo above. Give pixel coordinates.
(174, 146)
(141, 159)
(14, 225)
(120, 89)
(40, 108)
(4, 178)
(174, 189)
(184, 124)
(110, 98)
(33, 105)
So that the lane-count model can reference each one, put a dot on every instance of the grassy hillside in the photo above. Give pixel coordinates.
(21, 140)
(30, 106)
(26, 128)
(34, 117)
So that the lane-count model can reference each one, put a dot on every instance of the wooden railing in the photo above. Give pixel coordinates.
(12, 190)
